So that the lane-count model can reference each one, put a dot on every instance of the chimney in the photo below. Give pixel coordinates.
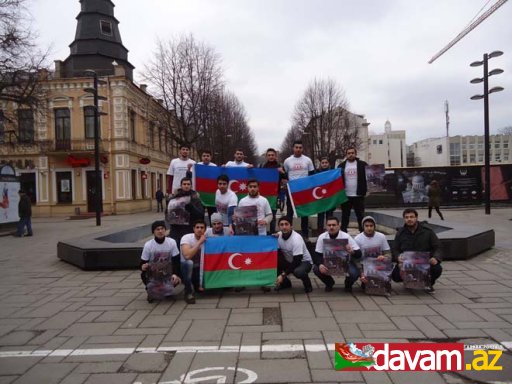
(119, 70)
(58, 69)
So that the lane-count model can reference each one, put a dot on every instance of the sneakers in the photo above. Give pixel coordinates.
(430, 290)
(190, 299)
(348, 286)
(150, 299)
(328, 288)
(265, 289)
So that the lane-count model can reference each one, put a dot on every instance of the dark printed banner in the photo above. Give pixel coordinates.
(458, 185)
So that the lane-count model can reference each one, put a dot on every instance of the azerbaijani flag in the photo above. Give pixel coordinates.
(206, 182)
(239, 261)
(317, 193)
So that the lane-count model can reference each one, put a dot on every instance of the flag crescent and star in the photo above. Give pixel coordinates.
(231, 265)
(323, 191)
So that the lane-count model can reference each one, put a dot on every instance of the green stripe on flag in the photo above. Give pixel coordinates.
(239, 278)
(322, 205)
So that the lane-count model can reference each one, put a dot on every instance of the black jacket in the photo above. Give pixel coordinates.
(362, 187)
(24, 206)
(423, 239)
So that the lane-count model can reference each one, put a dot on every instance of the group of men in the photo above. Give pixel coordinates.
(293, 254)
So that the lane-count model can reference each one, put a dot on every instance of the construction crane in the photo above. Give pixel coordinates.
(468, 29)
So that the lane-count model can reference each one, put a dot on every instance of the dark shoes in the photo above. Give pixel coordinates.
(265, 289)
(328, 288)
(348, 286)
(239, 289)
(284, 285)
(307, 284)
(430, 290)
(190, 299)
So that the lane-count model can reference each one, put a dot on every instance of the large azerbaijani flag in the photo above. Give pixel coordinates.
(206, 182)
(317, 193)
(239, 261)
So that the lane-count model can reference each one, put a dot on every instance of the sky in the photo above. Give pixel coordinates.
(376, 50)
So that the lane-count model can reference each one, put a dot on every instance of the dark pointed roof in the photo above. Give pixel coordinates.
(97, 41)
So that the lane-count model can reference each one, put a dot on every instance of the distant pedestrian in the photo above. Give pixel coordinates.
(159, 195)
(434, 199)
(25, 214)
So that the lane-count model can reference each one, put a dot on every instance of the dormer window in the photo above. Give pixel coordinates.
(106, 27)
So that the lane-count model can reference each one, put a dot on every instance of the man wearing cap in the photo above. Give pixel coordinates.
(156, 259)
(415, 236)
(217, 228)
(372, 243)
(321, 271)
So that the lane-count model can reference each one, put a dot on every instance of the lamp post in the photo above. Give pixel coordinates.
(485, 96)
(97, 176)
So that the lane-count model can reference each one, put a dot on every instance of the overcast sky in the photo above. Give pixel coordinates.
(377, 50)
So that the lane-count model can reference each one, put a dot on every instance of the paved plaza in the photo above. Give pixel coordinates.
(59, 324)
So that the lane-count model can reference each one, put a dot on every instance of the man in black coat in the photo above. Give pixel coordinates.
(354, 177)
(25, 214)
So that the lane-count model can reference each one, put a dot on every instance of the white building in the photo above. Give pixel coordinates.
(387, 148)
(460, 150)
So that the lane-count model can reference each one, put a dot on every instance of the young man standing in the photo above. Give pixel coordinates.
(206, 159)
(155, 260)
(178, 169)
(297, 166)
(225, 200)
(159, 195)
(321, 216)
(254, 198)
(191, 246)
(321, 271)
(415, 236)
(293, 257)
(25, 214)
(271, 162)
(354, 176)
(372, 243)
(239, 160)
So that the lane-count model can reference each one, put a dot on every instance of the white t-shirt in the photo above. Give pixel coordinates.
(178, 169)
(298, 167)
(210, 164)
(351, 178)
(263, 210)
(223, 202)
(235, 164)
(191, 240)
(294, 246)
(152, 250)
(372, 246)
(341, 235)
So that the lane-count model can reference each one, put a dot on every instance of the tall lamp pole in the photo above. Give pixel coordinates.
(98, 200)
(485, 96)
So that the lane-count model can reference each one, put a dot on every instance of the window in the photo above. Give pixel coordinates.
(505, 144)
(160, 138)
(106, 27)
(480, 158)
(464, 158)
(132, 125)
(64, 187)
(497, 157)
(151, 138)
(439, 149)
(62, 128)
(380, 141)
(374, 142)
(89, 122)
(497, 144)
(26, 125)
(472, 158)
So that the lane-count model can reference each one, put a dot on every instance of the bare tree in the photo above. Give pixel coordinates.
(227, 129)
(185, 75)
(323, 121)
(505, 130)
(22, 65)
(294, 133)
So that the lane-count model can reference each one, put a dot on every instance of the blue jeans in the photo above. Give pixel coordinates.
(190, 276)
(353, 275)
(24, 222)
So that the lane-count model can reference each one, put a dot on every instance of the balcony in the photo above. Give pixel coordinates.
(68, 145)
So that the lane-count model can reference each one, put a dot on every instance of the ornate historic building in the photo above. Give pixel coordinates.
(52, 147)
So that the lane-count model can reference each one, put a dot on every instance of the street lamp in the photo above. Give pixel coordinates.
(97, 177)
(485, 96)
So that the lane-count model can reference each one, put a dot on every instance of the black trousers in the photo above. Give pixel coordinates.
(437, 210)
(357, 203)
(304, 222)
(300, 268)
(435, 273)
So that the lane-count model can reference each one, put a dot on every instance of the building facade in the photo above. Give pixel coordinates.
(52, 146)
(387, 148)
(461, 150)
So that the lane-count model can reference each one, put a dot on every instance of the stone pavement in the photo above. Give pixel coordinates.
(59, 324)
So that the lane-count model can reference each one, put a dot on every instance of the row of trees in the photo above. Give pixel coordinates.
(187, 76)
(321, 119)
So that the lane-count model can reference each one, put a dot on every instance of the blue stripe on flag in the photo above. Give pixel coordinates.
(237, 173)
(242, 244)
(313, 181)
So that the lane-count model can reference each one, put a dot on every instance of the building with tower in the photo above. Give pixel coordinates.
(52, 147)
(387, 148)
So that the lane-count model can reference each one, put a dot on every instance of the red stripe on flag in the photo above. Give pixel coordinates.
(210, 186)
(325, 190)
(239, 261)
